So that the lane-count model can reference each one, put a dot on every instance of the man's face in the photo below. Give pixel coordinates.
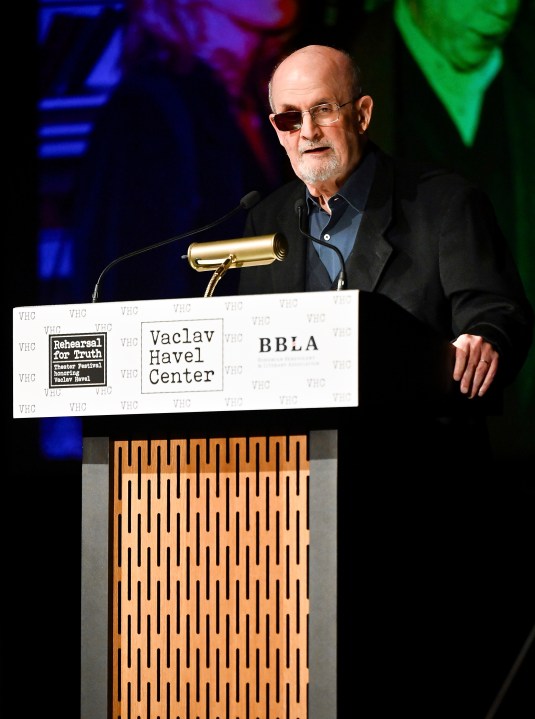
(318, 153)
(465, 31)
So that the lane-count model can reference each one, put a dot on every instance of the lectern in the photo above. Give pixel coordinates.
(210, 486)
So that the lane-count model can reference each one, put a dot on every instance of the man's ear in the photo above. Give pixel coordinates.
(364, 112)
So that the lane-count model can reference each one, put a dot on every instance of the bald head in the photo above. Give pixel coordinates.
(313, 66)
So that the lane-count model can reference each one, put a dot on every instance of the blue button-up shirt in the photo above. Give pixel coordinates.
(341, 226)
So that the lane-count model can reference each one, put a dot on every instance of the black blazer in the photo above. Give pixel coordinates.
(429, 240)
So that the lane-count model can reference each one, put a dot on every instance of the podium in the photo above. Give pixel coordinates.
(210, 515)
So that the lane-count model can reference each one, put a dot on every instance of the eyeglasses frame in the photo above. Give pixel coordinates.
(309, 111)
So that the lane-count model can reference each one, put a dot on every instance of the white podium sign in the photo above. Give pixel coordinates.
(211, 354)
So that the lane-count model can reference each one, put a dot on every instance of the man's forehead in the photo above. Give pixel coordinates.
(301, 81)
(295, 95)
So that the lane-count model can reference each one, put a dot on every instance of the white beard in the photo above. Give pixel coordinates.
(314, 172)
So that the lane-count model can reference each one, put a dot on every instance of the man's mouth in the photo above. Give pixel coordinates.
(315, 150)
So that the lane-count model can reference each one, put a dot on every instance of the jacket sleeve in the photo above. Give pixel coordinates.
(481, 280)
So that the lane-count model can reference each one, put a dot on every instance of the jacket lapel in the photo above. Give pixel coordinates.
(367, 261)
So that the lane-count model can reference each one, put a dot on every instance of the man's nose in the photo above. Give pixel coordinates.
(308, 126)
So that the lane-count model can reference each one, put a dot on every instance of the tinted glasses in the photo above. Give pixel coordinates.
(324, 114)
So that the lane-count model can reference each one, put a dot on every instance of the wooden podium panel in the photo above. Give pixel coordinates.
(210, 580)
(209, 577)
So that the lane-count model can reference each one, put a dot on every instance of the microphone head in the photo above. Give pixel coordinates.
(300, 206)
(250, 200)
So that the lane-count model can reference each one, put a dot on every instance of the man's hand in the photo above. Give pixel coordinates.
(476, 364)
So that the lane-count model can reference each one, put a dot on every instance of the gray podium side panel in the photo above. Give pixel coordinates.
(323, 575)
(95, 558)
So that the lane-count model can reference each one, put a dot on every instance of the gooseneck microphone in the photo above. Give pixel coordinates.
(246, 203)
(301, 209)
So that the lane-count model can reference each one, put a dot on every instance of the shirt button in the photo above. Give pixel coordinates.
(326, 237)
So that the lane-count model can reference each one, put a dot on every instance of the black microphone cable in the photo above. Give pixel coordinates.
(246, 203)
(300, 208)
